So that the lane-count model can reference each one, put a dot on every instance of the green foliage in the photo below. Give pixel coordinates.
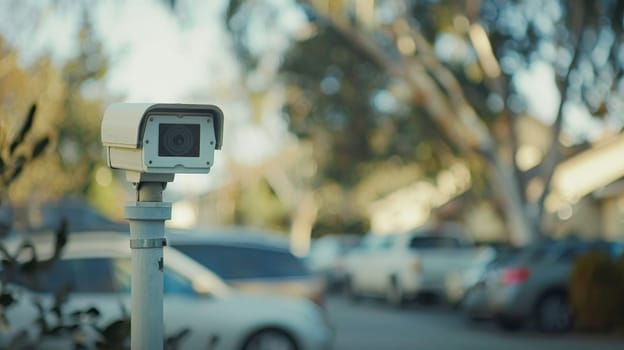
(54, 322)
(597, 291)
(17, 270)
(350, 92)
(258, 206)
(12, 162)
(65, 120)
(352, 111)
(21, 135)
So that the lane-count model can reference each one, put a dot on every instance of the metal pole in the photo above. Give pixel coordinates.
(147, 237)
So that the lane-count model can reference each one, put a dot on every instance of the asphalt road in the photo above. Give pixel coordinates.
(371, 325)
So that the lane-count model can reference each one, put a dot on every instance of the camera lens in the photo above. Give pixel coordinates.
(178, 140)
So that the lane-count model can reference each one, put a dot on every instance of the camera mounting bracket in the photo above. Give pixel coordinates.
(137, 177)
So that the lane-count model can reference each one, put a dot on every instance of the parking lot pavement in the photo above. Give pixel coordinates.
(372, 325)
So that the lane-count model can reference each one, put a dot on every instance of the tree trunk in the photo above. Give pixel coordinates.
(437, 90)
(519, 222)
(303, 220)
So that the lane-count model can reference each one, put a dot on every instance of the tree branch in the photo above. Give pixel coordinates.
(554, 154)
(412, 73)
(441, 95)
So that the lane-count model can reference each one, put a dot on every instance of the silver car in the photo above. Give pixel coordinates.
(97, 267)
(530, 286)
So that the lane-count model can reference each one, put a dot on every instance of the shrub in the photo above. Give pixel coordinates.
(597, 291)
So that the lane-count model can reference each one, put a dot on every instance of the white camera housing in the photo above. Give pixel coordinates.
(148, 138)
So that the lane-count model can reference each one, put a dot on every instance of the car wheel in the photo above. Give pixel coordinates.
(553, 314)
(473, 307)
(270, 339)
(394, 293)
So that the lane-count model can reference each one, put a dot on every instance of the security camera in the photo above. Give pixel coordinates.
(159, 140)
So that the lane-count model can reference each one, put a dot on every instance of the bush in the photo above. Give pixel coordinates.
(56, 326)
(597, 292)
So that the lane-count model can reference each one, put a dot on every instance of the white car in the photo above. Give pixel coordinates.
(327, 255)
(98, 267)
(403, 266)
(250, 260)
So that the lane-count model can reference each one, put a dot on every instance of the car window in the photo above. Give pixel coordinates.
(570, 252)
(174, 283)
(433, 242)
(122, 272)
(506, 254)
(325, 250)
(377, 242)
(534, 253)
(386, 242)
(370, 242)
(246, 262)
(88, 275)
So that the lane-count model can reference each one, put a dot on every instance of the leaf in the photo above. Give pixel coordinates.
(173, 342)
(17, 169)
(25, 129)
(60, 237)
(39, 147)
(93, 312)
(7, 265)
(602, 110)
(30, 267)
(41, 320)
(7, 259)
(117, 331)
(60, 298)
(6, 299)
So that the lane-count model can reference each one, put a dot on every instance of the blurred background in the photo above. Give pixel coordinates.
(497, 123)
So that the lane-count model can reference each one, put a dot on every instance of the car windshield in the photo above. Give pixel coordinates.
(92, 275)
(245, 262)
(433, 242)
(569, 251)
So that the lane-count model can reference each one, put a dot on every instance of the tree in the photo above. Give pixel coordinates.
(23, 95)
(455, 66)
(16, 151)
(67, 119)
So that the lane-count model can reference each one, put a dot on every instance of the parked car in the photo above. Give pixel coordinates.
(251, 260)
(531, 286)
(460, 282)
(403, 266)
(327, 258)
(98, 268)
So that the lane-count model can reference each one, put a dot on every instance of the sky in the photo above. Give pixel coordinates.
(537, 85)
